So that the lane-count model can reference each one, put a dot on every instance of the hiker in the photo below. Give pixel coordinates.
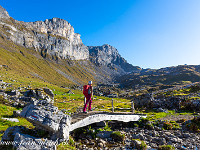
(88, 92)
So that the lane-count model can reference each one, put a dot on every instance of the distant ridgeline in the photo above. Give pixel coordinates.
(55, 39)
(162, 78)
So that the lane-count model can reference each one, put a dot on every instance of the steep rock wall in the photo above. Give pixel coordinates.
(107, 55)
(53, 36)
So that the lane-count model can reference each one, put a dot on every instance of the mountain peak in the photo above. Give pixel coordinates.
(3, 13)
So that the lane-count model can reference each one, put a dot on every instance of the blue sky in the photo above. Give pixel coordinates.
(147, 33)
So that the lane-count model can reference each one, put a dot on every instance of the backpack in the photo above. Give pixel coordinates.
(86, 89)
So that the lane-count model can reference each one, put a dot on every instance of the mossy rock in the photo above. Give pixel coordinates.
(166, 147)
(139, 144)
(117, 136)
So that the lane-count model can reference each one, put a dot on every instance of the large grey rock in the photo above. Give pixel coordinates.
(49, 92)
(136, 144)
(24, 142)
(48, 117)
(16, 113)
(10, 133)
(101, 124)
(104, 134)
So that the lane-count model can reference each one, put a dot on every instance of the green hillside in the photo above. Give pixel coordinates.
(29, 67)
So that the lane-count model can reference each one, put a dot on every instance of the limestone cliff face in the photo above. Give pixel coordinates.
(52, 36)
(3, 13)
(109, 56)
(56, 37)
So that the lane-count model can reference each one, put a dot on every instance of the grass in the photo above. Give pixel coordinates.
(166, 147)
(152, 115)
(65, 146)
(7, 111)
(72, 102)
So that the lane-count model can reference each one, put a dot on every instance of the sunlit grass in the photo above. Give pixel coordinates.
(7, 112)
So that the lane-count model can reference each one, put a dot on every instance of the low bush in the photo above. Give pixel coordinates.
(139, 144)
(167, 125)
(194, 125)
(118, 136)
(170, 125)
(166, 147)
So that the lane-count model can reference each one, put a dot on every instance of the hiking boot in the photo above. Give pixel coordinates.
(85, 112)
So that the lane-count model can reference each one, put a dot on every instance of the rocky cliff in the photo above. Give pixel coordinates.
(109, 56)
(52, 36)
(55, 39)
(3, 13)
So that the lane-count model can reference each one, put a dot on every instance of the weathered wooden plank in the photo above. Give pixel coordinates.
(81, 120)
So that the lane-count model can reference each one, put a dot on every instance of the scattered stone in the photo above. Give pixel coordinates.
(11, 119)
(16, 113)
(104, 134)
(70, 92)
(162, 110)
(101, 124)
(49, 92)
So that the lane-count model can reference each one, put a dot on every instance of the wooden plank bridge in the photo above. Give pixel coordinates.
(84, 119)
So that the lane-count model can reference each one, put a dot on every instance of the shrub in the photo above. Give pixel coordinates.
(167, 125)
(71, 141)
(117, 136)
(143, 146)
(135, 125)
(194, 125)
(166, 147)
(170, 125)
(145, 123)
(139, 144)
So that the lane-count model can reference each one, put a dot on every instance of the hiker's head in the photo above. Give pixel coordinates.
(90, 82)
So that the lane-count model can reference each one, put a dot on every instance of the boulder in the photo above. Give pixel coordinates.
(104, 134)
(10, 133)
(24, 141)
(101, 124)
(49, 92)
(16, 113)
(136, 143)
(162, 110)
(46, 116)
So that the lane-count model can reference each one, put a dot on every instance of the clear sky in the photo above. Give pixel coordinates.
(147, 33)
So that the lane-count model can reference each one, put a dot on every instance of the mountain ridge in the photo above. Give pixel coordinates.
(55, 43)
(55, 37)
(160, 78)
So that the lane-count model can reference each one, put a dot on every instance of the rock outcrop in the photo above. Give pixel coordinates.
(109, 56)
(3, 13)
(17, 137)
(46, 116)
(54, 37)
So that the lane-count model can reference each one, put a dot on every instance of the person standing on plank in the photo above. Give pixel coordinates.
(88, 92)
